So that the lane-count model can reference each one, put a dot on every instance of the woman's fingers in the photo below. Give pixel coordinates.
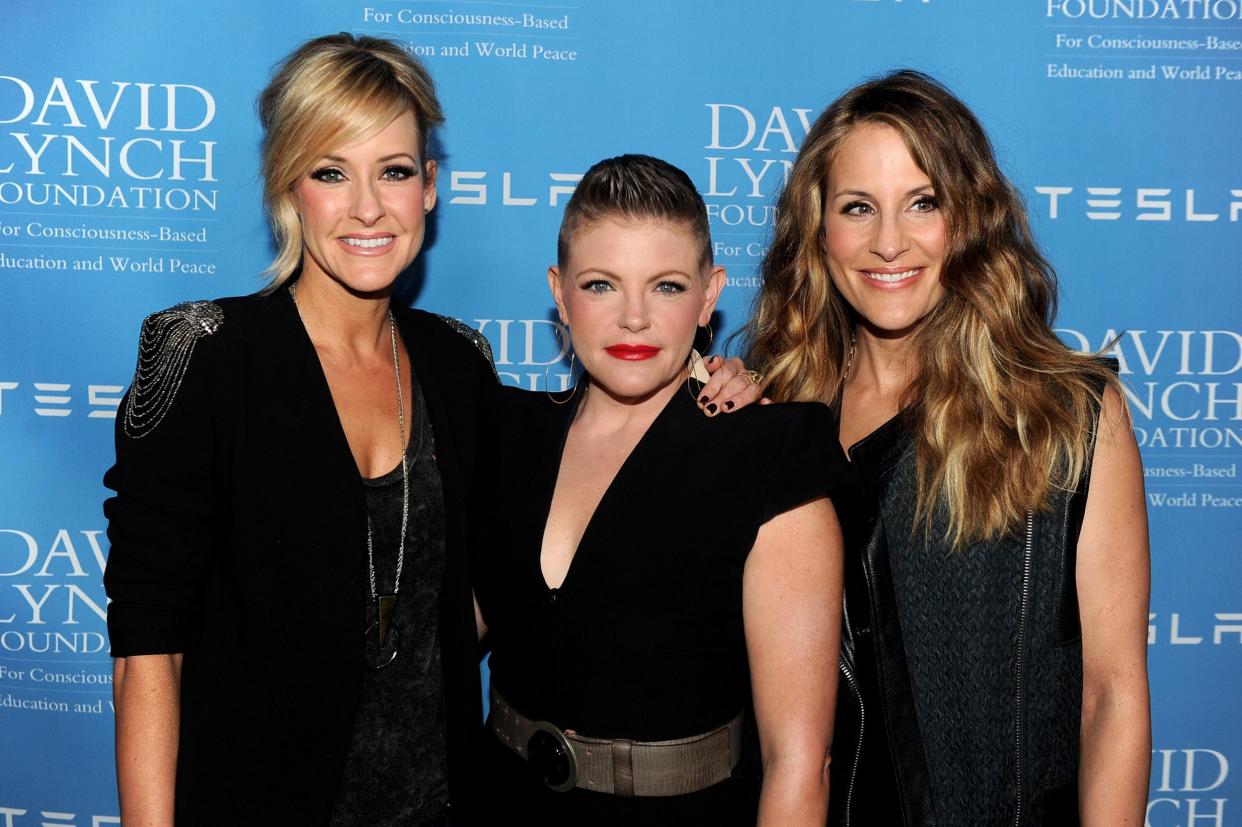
(731, 386)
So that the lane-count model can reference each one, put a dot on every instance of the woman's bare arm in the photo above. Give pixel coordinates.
(146, 690)
(792, 607)
(1113, 575)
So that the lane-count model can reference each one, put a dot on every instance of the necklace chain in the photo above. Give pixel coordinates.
(405, 475)
(849, 358)
(405, 470)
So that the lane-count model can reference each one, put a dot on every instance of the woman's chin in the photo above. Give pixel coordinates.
(631, 389)
(365, 282)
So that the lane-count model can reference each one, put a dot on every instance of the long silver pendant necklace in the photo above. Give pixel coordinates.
(389, 636)
(383, 636)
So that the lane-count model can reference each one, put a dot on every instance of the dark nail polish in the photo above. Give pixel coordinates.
(711, 409)
(703, 399)
(729, 405)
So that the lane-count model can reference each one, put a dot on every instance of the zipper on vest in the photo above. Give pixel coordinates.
(1020, 668)
(847, 670)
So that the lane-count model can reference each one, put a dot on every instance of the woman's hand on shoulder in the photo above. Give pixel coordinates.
(1113, 576)
(731, 386)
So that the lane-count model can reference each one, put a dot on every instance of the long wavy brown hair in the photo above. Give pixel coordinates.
(1003, 413)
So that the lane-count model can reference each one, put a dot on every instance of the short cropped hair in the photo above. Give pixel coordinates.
(331, 91)
(635, 187)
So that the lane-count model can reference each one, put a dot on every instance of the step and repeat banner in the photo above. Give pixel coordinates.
(128, 182)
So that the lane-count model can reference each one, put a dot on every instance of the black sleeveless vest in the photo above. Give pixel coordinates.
(967, 665)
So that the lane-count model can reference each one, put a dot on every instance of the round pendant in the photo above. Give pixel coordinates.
(379, 655)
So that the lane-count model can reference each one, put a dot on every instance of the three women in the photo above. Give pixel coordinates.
(263, 435)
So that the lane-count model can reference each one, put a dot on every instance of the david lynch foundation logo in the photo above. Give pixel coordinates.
(120, 145)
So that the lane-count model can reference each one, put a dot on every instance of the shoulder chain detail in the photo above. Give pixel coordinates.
(164, 349)
(477, 338)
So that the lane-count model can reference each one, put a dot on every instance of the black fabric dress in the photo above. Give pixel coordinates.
(644, 639)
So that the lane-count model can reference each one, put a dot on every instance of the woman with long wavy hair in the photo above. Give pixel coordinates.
(994, 656)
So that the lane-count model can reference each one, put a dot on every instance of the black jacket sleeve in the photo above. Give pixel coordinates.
(164, 515)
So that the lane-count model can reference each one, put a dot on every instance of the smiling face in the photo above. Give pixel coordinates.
(884, 232)
(363, 208)
(632, 292)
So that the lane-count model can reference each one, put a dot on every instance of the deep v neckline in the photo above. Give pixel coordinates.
(314, 370)
(572, 412)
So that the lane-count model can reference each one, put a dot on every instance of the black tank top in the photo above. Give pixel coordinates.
(395, 770)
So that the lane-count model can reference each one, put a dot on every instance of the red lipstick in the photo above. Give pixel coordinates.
(632, 353)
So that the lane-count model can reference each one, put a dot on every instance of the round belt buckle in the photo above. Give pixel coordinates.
(551, 756)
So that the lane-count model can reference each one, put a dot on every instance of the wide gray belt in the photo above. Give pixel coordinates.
(564, 759)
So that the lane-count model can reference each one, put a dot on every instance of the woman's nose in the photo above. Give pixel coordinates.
(889, 241)
(367, 206)
(636, 316)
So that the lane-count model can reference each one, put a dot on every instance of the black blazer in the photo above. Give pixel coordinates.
(238, 536)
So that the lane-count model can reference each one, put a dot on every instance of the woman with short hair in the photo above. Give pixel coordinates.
(648, 573)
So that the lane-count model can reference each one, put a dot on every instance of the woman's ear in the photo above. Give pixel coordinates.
(716, 280)
(554, 284)
(431, 171)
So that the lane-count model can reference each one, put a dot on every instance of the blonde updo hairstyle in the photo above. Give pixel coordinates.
(331, 91)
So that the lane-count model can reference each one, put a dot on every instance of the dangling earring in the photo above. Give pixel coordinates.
(695, 369)
(546, 385)
(849, 358)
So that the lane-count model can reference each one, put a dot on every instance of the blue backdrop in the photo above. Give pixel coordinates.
(128, 157)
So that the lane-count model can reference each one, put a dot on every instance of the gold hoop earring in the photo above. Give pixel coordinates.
(546, 385)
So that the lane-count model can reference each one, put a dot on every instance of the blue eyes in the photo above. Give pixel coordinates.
(600, 286)
(395, 172)
(328, 175)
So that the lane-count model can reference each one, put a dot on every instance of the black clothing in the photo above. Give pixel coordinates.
(992, 664)
(878, 773)
(394, 773)
(644, 639)
(239, 538)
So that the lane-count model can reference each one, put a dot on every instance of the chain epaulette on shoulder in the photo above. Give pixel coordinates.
(165, 346)
(477, 338)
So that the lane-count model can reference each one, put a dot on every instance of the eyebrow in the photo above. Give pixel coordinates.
(339, 160)
(602, 272)
(864, 194)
